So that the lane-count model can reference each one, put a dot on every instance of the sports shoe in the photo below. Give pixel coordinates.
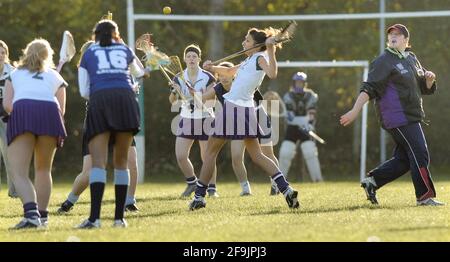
(197, 203)
(12, 193)
(44, 222)
(245, 193)
(190, 188)
(274, 190)
(430, 202)
(368, 184)
(120, 223)
(86, 224)
(131, 208)
(212, 193)
(66, 206)
(291, 198)
(28, 223)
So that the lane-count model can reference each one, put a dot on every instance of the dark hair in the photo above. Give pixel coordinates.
(193, 48)
(103, 32)
(260, 36)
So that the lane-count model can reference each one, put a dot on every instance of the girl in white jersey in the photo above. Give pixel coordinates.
(192, 118)
(5, 71)
(237, 120)
(35, 97)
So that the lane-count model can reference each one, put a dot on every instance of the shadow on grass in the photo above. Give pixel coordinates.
(325, 210)
(416, 228)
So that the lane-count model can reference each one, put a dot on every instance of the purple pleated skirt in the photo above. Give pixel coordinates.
(41, 118)
(236, 122)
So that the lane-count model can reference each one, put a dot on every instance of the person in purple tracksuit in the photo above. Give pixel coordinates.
(396, 83)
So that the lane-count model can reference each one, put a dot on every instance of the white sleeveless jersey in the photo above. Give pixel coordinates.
(248, 78)
(36, 85)
(203, 80)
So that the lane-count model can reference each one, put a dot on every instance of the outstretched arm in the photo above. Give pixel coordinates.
(351, 115)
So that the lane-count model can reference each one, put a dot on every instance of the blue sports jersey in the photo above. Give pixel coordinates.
(108, 66)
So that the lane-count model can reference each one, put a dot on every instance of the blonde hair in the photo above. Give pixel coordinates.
(37, 56)
(84, 48)
(5, 46)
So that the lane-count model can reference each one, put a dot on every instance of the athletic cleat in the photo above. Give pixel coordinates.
(131, 208)
(66, 206)
(430, 202)
(12, 193)
(44, 222)
(291, 199)
(189, 190)
(245, 193)
(274, 191)
(197, 204)
(120, 223)
(212, 193)
(86, 224)
(28, 223)
(370, 190)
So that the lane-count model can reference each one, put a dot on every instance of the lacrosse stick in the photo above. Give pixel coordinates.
(67, 51)
(154, 59)
(108, 16)
(176, 70)
(285, 35)
(316, 137)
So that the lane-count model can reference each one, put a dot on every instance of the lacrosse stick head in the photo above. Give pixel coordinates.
(286, 33)
(153, 58)
(108, 16)
(174, 67)
(68, 49)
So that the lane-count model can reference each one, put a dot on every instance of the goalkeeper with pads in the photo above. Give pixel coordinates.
(301, 105)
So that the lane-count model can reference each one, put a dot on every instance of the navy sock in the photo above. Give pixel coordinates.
(43, 213)
(30, 210)
(191, 180)
(212, 187)
(281, 182)
(201, 190)
(121, 181)
(97, 180)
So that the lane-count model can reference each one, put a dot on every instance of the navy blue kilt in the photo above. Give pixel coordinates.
(112, 110)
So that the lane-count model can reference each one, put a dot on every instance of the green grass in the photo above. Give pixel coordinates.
(331, 211)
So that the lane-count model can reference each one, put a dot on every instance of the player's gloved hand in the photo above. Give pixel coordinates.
(290, 115)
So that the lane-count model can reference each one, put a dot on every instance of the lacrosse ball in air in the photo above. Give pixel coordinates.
(167, 10)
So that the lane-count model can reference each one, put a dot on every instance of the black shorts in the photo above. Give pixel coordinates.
(112, 110)
(294, 134)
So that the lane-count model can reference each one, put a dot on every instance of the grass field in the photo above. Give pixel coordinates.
(331, 211)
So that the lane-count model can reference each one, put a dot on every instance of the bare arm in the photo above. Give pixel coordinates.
(351, 115)
(221, 70)
(8, 97)
(61, 97)
(271, 68)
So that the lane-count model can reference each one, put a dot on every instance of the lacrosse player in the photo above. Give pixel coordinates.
(35, 97)
(396, 83)
(237, 119)
(238, 146)
(5, 71)
(82, 180)
(301, 106)
(104, 78)
(193, 117)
